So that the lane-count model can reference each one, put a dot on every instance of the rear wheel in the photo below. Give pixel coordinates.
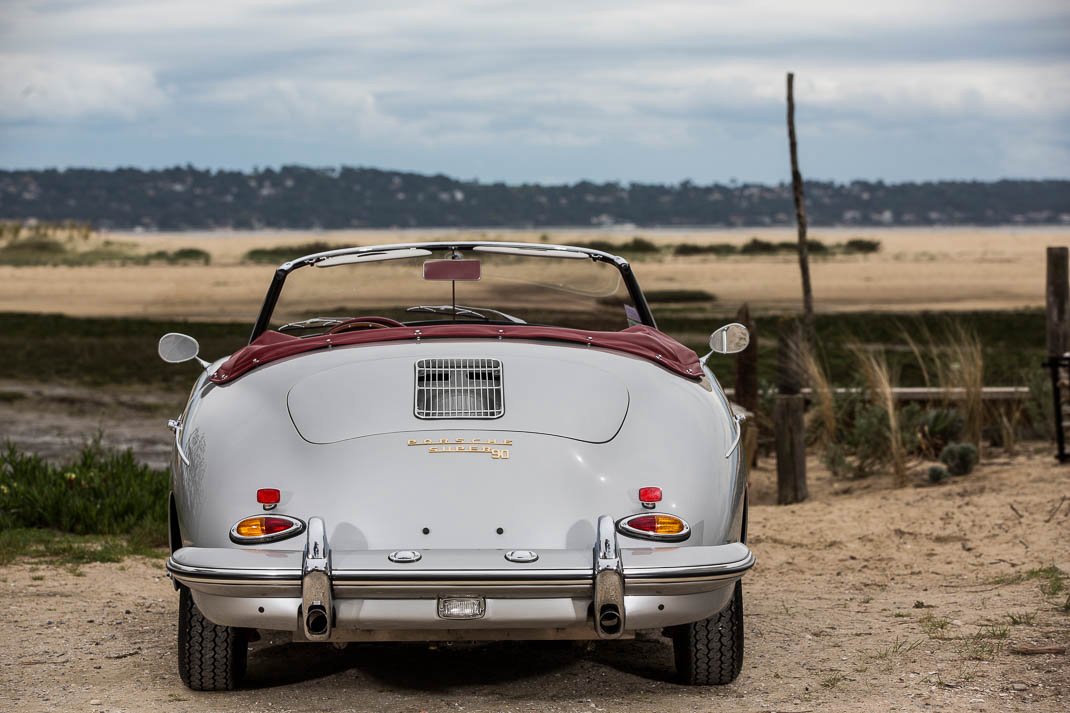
(710, 652)
(210, 657)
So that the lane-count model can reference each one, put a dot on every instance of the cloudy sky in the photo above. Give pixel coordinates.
(542, 91)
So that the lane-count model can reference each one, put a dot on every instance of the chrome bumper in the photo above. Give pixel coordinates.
(604, 593)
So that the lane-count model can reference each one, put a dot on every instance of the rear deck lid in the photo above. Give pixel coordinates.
(520, 394)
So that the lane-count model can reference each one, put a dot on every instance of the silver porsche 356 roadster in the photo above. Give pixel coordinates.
(457, 441)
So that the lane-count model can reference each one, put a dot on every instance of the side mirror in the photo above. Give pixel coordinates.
(175, 348)
(730, 339)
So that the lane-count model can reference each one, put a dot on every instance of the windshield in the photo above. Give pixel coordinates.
(482, 284)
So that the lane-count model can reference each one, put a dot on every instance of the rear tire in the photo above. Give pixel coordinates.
(210, 657)
(710, 652)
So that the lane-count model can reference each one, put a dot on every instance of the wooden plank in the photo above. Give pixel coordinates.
(927, 393)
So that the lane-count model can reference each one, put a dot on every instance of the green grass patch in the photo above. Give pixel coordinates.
(101, 492)
(105, 351)
(62, 548)
(1052, 580)
(41, 347)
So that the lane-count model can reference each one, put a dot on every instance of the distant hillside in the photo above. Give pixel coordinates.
(299, 197)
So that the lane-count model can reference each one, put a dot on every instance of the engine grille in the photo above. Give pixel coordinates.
(459, 388)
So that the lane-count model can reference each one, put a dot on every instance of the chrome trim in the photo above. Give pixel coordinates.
(522, 556)
(264, 539)
(176, 426)
(739, 419)
(317, 554)
(606, 554)
(534, 577)
(625, 529)
(404, 556)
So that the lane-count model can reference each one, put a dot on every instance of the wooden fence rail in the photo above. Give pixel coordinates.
(935, 393)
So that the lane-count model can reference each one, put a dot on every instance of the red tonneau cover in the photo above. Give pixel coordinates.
(641, 341)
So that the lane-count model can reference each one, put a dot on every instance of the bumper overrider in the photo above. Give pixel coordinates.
(375, 595)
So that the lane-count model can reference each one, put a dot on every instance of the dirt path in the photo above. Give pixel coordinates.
(864, 599)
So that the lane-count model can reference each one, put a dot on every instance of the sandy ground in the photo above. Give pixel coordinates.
(935, 269)
(865, 598)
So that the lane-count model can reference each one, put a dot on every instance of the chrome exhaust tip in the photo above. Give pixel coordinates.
(317, 623)
(610, 624)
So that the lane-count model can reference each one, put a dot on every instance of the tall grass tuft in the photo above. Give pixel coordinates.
(962, 375)
(880, 382)
(822, 396)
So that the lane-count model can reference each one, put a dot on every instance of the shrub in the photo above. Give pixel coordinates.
(720, 249)
(100, 492)
(960, 458)
(179, 256)
(861, 245)
(927, 430)
(33, 251)
(603, 245)
(191, 255)
(640, 245)
(282, 253)
(937, 474)
(756, 246)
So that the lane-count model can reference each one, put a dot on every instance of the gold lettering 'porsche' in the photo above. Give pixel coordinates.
(483, 446)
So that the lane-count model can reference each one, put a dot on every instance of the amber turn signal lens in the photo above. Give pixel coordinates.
(655, 527)
(265, 528)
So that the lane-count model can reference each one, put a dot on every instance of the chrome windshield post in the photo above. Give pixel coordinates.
(608, 581)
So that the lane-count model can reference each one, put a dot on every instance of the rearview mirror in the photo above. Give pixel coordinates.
(175, 348)
(452, 270)
(730, 339)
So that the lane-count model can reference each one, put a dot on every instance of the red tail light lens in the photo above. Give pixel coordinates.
(650, 495)
(662, 527)
(268, 496)
(259, 529)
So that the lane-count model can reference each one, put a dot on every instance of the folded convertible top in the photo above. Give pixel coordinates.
(641, 341)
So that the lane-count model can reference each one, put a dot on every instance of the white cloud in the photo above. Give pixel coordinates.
(50, 89)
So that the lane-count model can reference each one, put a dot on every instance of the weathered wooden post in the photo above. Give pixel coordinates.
(1058, 341)
(1058, 301)
(790, 432)
(746, 387)
(800, 214)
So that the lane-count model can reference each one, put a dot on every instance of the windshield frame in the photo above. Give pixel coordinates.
(281, 273)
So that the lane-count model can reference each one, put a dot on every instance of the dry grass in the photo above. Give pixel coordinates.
(961, 372)
(881, 382)
(823, 398)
